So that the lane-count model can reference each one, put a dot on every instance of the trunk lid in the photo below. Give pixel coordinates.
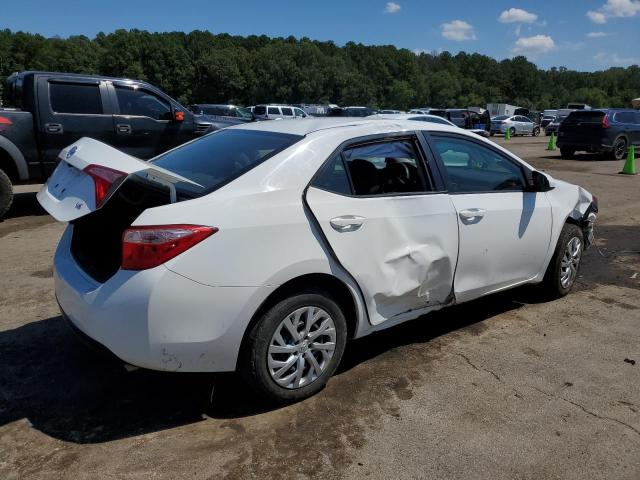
(70, 192)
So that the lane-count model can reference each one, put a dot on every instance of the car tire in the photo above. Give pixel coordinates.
(564, 266)
(512, 131)
(619, 149)
(567, 153)
(491, 134)
(6, 194)
(264, 358)
(536, 132)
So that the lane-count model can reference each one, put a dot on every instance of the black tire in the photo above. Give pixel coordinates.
(553, 280)
(536, 132)
(619, 149)
(6, 194)
(567, 153)
(491, 134)
(512, 131)
(253, 363)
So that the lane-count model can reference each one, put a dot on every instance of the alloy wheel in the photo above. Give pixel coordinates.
(570, 262)
(620, 149)
(301, 347)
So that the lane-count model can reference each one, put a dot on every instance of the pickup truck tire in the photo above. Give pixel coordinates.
(6, 194)
(564, 266)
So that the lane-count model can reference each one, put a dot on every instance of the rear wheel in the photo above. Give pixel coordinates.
(536, 132)
(567, 153)
(565, 263)
(6, 194)
(295, 347)
(619, 149)
(512, 131)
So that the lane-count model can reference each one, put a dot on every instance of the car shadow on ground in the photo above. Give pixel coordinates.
(24, 205)
(71, 393)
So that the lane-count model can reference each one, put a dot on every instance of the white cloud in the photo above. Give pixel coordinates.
(458, 30)
(535, 45)
(615, 60)
(517, 15)
(392, 7)
(597, 34)
(614, 9)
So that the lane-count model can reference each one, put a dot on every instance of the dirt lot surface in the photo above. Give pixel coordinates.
(505, 387)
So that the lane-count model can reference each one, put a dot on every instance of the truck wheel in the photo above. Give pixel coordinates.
(6, 194)
(567, 153)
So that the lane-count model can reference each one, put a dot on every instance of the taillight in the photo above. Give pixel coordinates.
(605, 122)
(5, 121)
(149, 246)
(106, 180)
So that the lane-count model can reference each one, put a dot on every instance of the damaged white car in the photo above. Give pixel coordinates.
(264, 248)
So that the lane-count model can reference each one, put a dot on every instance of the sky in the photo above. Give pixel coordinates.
(583, 35)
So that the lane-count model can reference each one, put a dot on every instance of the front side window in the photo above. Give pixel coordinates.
(260, 110)
(472, 167)
(141, 103)
(286, 111)
(273, 111)
(75, 98)
(299, 113)
(386, 168)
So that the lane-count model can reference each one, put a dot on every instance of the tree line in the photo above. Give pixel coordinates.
(200, 67)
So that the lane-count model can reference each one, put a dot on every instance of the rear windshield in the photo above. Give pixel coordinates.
(583, 116)
(219, 158)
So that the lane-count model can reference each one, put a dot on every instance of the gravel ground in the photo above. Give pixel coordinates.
(504, 387)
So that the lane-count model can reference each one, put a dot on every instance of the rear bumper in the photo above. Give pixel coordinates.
(155, 318)
(589, 146)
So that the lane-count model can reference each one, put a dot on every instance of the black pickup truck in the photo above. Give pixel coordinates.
(43, 112)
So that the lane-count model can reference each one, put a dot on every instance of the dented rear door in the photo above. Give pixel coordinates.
(401, 250)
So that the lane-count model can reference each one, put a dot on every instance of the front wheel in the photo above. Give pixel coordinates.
(536, 132)
(295, 347)
(6, 194)
(512, 132)
(565, 263)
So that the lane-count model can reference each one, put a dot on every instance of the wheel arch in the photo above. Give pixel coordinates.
(337, 288)
(12, 161)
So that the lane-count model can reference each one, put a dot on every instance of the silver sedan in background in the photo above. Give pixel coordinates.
(516, 124)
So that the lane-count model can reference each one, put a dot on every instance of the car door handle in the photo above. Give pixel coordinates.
(472, 213)
(123, 128)
(346, 223)
(53, 128)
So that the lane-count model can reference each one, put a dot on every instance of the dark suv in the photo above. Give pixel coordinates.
(609, 130)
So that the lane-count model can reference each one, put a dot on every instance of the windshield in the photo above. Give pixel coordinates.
(501, 117)
(218, 158)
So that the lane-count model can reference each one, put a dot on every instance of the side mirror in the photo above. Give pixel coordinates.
(539, 182)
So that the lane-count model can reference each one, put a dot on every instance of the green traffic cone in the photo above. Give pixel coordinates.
(507, 134)
(555, 139)
(552, 142)
(630, 165)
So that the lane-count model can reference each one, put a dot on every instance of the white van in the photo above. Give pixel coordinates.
(278, 112)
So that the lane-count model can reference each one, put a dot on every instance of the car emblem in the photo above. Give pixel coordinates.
(71, 152)
(78, 205)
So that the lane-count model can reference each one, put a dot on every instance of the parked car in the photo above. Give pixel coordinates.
(547, 117)
(552, 127)
(179, 264)
(47, 111)
(468, 119)
(500, 109)
(425, 118)
(390, 112)
(441, 112)
(609, 131)
(350, 112)
(278, 112)
(225, 110)
(516, 125)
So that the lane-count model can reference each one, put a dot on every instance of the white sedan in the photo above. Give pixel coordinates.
(265, 247)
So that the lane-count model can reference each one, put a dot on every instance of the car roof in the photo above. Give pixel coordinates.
(316, 124)
(404, 116)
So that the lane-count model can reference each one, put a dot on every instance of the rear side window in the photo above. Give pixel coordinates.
(75, 98)
(287, 111)
(475, 168)
(625, 117)
(219, 158)
(333, 177)
(386, 168)
(140, 103)
(273, 111)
